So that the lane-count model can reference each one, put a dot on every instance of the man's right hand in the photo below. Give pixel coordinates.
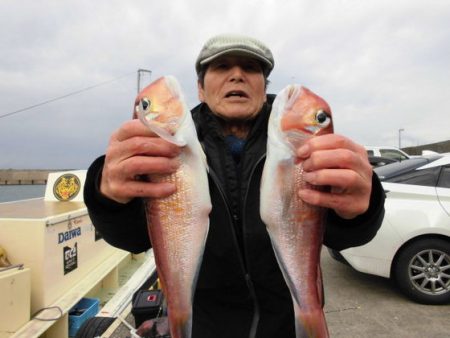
(133, 152)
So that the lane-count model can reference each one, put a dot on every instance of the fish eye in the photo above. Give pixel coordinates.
(323, 118)
(145, 104)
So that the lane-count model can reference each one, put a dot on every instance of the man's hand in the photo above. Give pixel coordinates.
(133, 152)
(154, 328)
(336, 161)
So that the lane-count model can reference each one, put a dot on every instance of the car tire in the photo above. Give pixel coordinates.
(94, 327)
(422, 271)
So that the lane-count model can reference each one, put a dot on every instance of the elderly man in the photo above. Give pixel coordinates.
(240, 290)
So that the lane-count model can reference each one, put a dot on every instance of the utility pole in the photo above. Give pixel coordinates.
(400, 138)
(140, 73)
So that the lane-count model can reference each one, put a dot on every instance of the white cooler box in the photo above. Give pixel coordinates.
(54, 239)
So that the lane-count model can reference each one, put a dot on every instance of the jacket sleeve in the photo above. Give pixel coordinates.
(341, 234)
(121, 225)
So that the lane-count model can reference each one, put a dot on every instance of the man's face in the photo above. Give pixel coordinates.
(234, 87)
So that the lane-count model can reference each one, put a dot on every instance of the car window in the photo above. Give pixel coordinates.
(444, 179)
(392, 153)
(369, 152)
(425, 177)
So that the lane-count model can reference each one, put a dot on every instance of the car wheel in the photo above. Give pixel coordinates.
(422, 271)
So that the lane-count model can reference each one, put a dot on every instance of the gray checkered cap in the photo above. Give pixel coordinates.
(235, 45)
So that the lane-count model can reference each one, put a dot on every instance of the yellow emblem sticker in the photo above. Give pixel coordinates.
(66, 187)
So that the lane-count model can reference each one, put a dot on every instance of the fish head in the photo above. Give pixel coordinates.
(305, 115)
(160, 106)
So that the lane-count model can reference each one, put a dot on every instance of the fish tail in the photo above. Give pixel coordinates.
(180, 325)
(311, 323)
(310, 320)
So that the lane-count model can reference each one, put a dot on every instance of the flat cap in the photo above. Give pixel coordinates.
(235, 45)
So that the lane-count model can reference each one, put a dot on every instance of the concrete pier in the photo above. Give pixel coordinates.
(25, 176)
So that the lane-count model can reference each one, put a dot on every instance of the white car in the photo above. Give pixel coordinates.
(412, 245)
(386, 152)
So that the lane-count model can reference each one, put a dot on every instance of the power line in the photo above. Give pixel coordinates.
(64, 96)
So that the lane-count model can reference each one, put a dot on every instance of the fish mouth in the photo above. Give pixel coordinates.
(236, 94)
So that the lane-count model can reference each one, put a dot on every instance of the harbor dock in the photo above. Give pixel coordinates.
(25, 176)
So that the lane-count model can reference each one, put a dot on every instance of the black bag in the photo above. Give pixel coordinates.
(146, 304)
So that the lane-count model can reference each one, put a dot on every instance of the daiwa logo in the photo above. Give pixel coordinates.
(67, 235)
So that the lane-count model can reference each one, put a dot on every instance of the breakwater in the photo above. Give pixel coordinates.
(25, 176)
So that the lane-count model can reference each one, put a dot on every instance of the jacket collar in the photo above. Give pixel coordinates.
(206, 122)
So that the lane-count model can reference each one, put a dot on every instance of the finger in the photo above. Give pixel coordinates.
(320, 198)
(346, 206)
(123, 189)
(145, 328)
(141, 145)
(341, 178)
(149, 189)
(335, 158)
(329, 141)
(145, 165)
(130, 129)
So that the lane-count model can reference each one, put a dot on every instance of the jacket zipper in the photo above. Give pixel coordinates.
(255, 320)
(231, 218)
(248, 279)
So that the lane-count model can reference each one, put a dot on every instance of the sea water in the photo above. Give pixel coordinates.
(21, 192)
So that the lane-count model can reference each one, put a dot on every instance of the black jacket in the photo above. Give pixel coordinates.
(240, 287)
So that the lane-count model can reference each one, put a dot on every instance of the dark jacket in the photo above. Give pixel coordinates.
(240, 287)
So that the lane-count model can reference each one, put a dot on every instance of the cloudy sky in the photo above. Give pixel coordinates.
(382, 66)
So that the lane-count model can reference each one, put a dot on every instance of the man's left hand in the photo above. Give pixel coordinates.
(336, 161)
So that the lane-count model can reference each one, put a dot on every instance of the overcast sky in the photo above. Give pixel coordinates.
(382, 66)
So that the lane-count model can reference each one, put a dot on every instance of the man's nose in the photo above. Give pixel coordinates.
(236, 73)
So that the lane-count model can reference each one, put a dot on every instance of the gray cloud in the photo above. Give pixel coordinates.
(381, 66)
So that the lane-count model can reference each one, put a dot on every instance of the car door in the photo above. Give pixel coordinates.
(443, 188)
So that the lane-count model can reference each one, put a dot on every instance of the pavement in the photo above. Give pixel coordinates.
(359, 305)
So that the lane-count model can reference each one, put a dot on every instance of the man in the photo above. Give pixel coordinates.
(240, 290)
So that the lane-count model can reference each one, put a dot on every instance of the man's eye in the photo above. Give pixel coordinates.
(219, 66)
(252, 67)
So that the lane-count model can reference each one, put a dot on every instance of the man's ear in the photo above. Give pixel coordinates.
(201, 94)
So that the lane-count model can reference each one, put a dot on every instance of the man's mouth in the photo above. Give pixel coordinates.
(236, 93)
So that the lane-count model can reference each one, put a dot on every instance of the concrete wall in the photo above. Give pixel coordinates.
(439, 147)
(17, 176)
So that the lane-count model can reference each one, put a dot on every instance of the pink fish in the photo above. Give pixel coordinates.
(295, 228)
(178, 225)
